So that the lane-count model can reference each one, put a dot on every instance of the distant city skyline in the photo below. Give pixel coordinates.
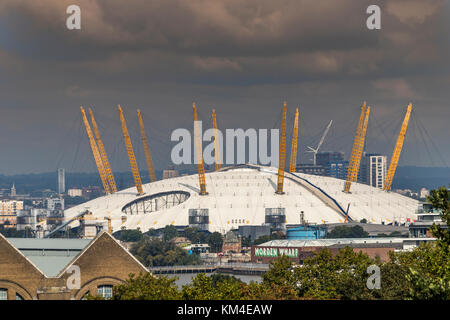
(241, 58)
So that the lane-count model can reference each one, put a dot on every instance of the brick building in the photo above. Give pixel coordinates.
(299, 250)
(43, 269)
(231, 243)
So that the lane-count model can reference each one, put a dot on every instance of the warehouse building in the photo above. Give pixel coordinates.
(47, 269)
(299, 250)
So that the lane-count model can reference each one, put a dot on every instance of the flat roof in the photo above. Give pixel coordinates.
(333, 242)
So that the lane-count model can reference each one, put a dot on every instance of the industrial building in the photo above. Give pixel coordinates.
(299, 250)
(373, 170)
(43, 269)
(426, 217)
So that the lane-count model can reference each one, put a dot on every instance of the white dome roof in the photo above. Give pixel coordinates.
(239, 196)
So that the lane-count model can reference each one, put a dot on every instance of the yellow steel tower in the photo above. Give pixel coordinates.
(282, 153)
(131, 157)
(148, 157)
(358, 146)
(397, 150)
(293, 162)
(97, 158)
(199, 150)
(216, 141)
(103, 155)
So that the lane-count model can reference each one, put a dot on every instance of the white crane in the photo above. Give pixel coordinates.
(316, 150)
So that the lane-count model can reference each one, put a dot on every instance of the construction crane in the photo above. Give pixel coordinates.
(148, 156)
(358, 146)
(316, 150)
(103, 155)
(131, 157)
(216, 142)
(397, 150)
(96, 153)
(199, 150)
(293, 162)
(282, 153)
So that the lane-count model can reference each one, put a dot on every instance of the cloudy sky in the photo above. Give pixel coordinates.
(241, 57)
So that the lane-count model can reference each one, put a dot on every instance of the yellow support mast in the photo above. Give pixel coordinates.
(293, 162)
(282, 153)
(398, 149)
(103, 155)
(199, 150)
(131, 157)
(358, 146)
(148, 156)
(216, 142)
(96, 153)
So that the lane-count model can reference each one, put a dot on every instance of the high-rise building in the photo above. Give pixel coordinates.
(329, 163)
(337, 169)
(8, 212)
(61, 181)
(325, 158)
(373, 170)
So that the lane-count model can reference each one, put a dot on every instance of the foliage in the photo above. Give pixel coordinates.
(219, 277)
(347, 232)
(215, 241)
(440, 201)
(325, 276)
(397, 234)
(195, 235)
(204, 288)
(73, 200)
(169, 232)
(262, 239)
(426, 271)
(155, 252)
(131, 235)
(147, 287)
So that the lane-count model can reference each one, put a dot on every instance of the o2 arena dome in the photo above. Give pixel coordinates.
(245, 195)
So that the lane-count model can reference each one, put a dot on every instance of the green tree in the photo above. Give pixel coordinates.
(216, 287)
(169, 232)
(155, 252)
(215, 241)
(347, 232)
(426, 271)
(147, 287)
(195, 235)
(440, 201)
(131, 235)
(343, 276)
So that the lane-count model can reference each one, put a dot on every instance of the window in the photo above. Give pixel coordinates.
(18, 297)
(3, 294)
(105, 291)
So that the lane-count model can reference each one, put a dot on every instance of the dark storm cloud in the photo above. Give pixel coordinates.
(242, 57)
